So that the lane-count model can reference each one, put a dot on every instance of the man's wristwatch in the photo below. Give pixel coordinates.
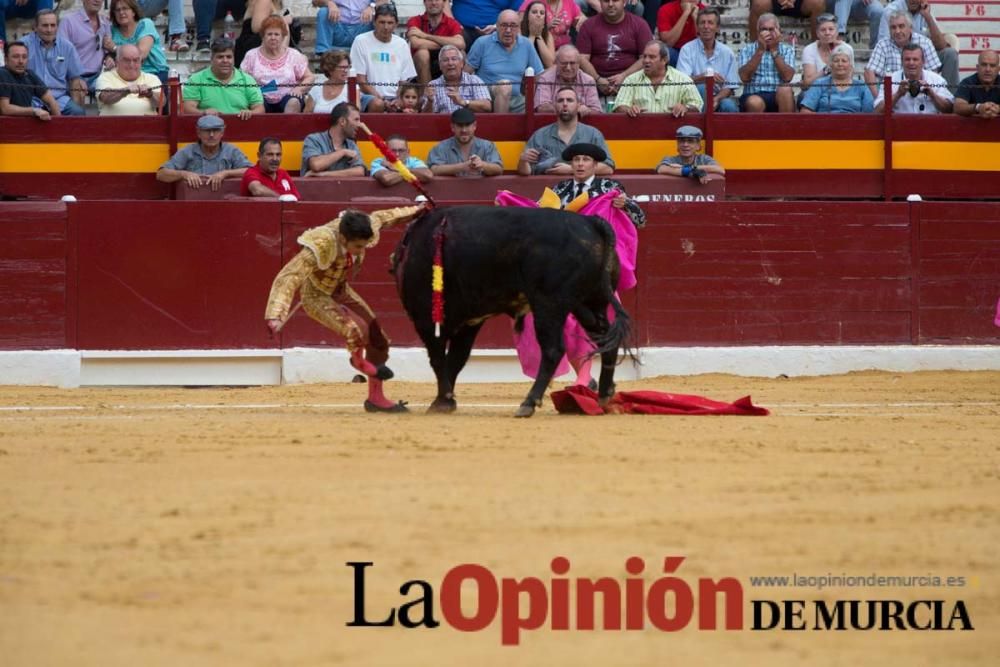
(975, 109)
(464, 103)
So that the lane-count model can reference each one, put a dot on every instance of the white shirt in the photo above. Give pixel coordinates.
(384, 64)
(922, 103)
(131, 104)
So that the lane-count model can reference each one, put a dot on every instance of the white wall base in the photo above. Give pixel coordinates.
(71, 368)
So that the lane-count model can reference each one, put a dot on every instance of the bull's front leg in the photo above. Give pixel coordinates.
(444, 402)
(606, 384)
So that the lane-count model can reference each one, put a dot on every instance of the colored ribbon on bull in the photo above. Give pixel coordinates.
(437, 280)
(396, 163)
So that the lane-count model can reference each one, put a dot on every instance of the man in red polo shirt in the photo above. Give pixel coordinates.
(267, 178)
(677, 24)
(427, 33)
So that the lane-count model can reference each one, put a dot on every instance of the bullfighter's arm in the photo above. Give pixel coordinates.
(389, 217)
(287, 283)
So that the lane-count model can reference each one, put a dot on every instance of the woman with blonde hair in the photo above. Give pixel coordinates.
(281, 71)
(840, 91)
(816, 56)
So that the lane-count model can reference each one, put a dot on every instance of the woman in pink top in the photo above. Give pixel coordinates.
(282, 72)
(561, 15)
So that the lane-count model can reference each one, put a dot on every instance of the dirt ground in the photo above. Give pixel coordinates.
(212, 526)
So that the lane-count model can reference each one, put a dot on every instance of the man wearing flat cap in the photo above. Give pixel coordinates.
(464, 154)
(584, 158)
(207, 162)
(688, 162)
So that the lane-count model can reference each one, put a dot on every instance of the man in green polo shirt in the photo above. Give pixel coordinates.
(221, 88)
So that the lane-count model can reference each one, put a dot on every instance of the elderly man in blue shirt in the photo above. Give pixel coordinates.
(500, 60)
(707, 54)
(55, 61)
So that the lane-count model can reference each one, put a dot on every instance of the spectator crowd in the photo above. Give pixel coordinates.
(469, 57)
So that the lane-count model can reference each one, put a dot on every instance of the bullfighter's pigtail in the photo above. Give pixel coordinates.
(396, 163)
(437, 280)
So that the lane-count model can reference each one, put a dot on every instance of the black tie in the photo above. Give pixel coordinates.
(579, 188)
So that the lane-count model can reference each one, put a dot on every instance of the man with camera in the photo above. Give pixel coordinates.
(917, 90)
(688, 162)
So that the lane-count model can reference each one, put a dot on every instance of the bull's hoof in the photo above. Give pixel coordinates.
(399, 406)
(383, 372)
(443, 405)
(525, 411)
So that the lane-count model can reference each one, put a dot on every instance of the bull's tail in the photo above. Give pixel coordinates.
(619, 333)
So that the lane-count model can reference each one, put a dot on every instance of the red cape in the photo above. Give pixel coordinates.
(577, 400)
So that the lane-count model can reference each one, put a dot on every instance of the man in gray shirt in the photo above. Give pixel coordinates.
(206, 162)
(543, 152)
(465, 154)
(334, 153)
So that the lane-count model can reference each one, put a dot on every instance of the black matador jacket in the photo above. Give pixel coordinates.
(566, 191)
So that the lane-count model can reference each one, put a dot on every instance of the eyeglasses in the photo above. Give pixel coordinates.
(508, 26)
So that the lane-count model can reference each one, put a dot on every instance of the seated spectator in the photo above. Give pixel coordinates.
(855, 10)
(689, 162)
(543, 152)
(127, 90)
(800, 9)
(611, 45)
(334, 153)
(923, 23)
(583, 159)
(464, 154)
(207, 11)
(979, 94)
(427, 33)
(677, 25)
(339, 22)
(535, 27)
(478, 17)
(336, 66)
(55, 62)
(252, 33)
(887, 56)
(382, 60)
(209, 161)
(128, 27)
(221, 88)
(658, 88)
(706, 53)
(816, 55)
(566, 73)
(25, 9)
(766, 67)
(87, 29)
(408, 98)
(840, 91)
(281, 72)
(22, 93)
(175, 17)
(456, 88)
(915, 89)
(648, 9)
(267, 178)
(561, 16)
(387, 175)
(501, 59)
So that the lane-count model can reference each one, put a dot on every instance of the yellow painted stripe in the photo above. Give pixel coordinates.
(82, 158)
(778, 154)
(628, 154)
(946, 155)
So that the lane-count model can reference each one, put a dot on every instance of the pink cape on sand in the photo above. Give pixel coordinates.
(578, 345)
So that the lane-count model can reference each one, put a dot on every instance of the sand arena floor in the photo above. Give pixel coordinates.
(137, 532)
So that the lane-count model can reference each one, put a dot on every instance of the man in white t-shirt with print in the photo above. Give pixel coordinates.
(381, 60)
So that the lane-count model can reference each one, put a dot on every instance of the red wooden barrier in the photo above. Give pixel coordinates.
(195, 275)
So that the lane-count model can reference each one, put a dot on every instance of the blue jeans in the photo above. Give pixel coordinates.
(727, 105)
(336, 35)
(175, 13)
(857, 9)
(10, 10)
(206, 11)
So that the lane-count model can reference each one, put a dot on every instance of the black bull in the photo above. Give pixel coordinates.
(512, 260)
